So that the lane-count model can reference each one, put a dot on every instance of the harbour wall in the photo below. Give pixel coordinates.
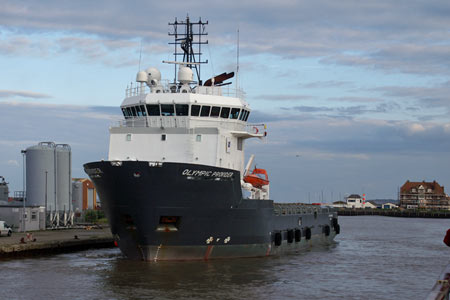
(394, 213)
(47, 242)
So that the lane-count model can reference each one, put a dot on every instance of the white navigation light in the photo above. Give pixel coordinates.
(141, 76)
(185, 75)
(154, 76)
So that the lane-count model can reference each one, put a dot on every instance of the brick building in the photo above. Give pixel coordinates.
(425, 195)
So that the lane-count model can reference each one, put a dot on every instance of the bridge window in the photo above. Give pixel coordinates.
(241, 116)
(246, 116)
(182, 109)
(167, 110)
(130, 113)
(198, 138)
(138, 111)
(234, 113)
(144, 113)
(215, 111)
(225, 112)
(153, 109)
(195, 110)
(205, 111)
(133, 110)
(125, 112)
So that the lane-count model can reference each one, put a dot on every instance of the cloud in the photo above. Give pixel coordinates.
(282, 97)
(12, 162)
(22, 94)
(325, 84)
(410, 37)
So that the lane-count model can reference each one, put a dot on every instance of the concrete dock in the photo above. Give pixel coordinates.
(54, 241)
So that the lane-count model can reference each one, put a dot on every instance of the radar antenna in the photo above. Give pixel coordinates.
(190, 43)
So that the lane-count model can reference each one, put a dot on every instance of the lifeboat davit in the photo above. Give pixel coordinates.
(258, 178)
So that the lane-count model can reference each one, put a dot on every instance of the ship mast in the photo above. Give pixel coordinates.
(190, 42)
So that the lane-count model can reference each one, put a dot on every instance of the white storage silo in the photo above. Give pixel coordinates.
(63, 177)
(40, 175)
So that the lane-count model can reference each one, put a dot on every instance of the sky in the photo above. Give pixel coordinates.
(356, 94)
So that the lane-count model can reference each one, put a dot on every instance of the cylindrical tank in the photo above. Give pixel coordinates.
(63, 177)
(4, 191)
(40, 175)
(77, 196)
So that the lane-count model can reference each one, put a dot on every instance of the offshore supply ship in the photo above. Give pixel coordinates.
(174, 183)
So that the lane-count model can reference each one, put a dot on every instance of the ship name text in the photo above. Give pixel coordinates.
(203, 173)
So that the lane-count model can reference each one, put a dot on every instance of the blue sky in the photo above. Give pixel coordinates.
(356, 94)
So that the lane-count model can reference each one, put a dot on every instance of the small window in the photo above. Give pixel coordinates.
(153, 109)
(144, 113)
(239, 144)
(133, 111)
(167, 110)
(163, 137)
(215, 111)
(205, 111)
(225, 112)
(195, 110)
(33, 215)
(198, 138)
(234, 113)
(128, 137)
(182, 109)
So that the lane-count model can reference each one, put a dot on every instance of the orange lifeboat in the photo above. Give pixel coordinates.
(258, 178)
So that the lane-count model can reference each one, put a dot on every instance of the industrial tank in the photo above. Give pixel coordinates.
(77, 195)
(4, 191)
(40, 175)
(63, 177)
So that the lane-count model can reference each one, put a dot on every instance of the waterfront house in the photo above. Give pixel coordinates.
(423, 195)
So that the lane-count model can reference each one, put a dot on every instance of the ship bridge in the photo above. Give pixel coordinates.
(184, 120)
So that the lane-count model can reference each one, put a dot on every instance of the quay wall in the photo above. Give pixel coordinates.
(394, 213)
(54, 241)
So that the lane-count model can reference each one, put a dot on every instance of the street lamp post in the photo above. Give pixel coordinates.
(23, 189)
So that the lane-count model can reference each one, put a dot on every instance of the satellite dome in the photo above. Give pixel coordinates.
(141, 76)
(154, 76)
(185, 75)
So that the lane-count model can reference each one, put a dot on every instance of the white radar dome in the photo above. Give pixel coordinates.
(154, 76)
(185, 75)
(141, 76)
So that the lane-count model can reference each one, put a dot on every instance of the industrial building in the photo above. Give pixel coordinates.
(423, 195)
(33, 218)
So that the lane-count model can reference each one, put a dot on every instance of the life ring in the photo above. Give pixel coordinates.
(256, 129)
(298, 235)
(278, 238)
(326, 230)
(290, 236)
(308, 233)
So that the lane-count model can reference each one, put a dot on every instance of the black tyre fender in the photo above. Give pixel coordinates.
(298, 235)
(278, 238)
(308, 233)
(326, 230)
(290, 236)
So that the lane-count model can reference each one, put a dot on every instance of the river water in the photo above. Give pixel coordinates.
(374, 257)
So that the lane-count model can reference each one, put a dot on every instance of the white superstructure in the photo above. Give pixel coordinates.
(177, 123)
